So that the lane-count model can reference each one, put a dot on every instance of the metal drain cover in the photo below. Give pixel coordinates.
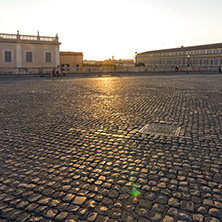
(161, 129)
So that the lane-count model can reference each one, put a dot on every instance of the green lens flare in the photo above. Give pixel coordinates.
(135, 192)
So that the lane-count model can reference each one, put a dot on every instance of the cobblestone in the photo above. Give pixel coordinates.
(71, 147)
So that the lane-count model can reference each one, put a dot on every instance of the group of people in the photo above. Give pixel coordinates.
(59, 71)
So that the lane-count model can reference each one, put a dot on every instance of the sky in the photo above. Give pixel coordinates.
(105, 28)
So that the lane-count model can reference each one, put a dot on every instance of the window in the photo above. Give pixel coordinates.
(218, 51)
(205, 51)
(181, 62)
(192, 62)
(198, 62)
(48, 57)
(199, 52)
(211, 51)
(218, 61)
(8, 56)
(29, 57)
(211, 62)
(205, 62)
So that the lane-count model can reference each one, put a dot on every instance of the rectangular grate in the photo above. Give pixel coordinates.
(161, 129)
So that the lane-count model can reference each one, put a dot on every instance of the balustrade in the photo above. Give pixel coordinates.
(28, 37)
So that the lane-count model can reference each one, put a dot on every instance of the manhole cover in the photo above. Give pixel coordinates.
(161, 129)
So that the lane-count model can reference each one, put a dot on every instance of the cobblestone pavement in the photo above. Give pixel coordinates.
(70, 147)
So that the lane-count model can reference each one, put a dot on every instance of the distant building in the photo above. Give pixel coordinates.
(71, 59)
(110, 63)
(125, 62)
(193, 57)
(90, 62)
(28, 51)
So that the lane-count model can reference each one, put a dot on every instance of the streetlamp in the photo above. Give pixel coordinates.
(135, 58)
(188, 60)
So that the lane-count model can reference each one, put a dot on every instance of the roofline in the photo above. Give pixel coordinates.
(182, 48)
(29, 42)
(70, 53)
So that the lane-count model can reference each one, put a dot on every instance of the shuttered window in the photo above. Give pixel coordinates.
(29, 57)
(8, 56)
(48, 57)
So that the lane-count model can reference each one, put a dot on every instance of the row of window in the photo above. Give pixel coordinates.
(191, 62)
(28, 56)
(198, 52)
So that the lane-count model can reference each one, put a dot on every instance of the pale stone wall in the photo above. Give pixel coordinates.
(7, 47)
(39, 54)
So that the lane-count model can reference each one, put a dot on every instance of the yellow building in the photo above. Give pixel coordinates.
(27, 52)
(202, 57)
(71, 59)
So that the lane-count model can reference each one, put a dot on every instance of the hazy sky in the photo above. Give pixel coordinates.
(105, 28)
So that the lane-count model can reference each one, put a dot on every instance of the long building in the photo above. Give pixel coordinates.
(28, 52)
(201, 57)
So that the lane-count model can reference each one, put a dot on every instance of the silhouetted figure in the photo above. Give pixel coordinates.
(176, 68)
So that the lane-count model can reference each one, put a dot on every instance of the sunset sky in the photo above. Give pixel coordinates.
(105, 28)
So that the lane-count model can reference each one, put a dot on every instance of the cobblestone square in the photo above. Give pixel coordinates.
(70, 148)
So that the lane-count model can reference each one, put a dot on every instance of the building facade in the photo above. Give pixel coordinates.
(28, 52)
(71, 59)
(202, 57)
